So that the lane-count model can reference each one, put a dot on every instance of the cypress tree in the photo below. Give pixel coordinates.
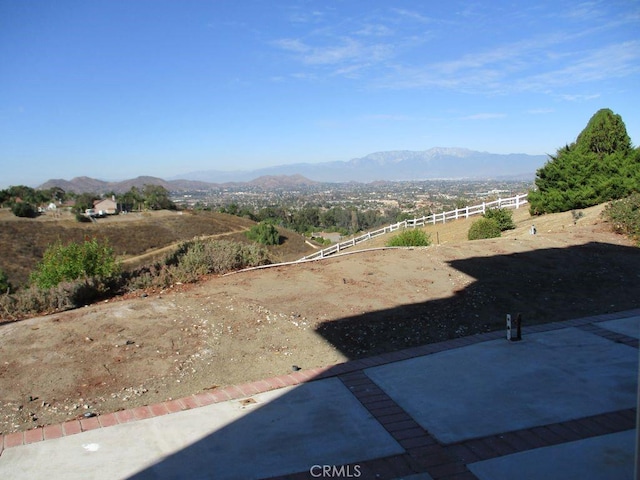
(601, 165)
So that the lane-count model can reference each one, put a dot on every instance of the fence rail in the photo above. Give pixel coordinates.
(465, 212)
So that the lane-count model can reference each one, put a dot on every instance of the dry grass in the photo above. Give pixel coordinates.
(137, 238)
(456, 231)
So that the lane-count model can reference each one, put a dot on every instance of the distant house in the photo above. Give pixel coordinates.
(107, 206)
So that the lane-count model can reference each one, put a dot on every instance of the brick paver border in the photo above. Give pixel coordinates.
(423, 452)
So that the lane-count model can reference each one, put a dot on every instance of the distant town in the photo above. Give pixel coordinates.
(418, 197)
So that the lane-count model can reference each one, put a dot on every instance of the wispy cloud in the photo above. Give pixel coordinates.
(413, 15)
(604, 63)
(580, 98)
(585, 11)
(405, 49)
(346, 56)
(524, 66)
(377, 30)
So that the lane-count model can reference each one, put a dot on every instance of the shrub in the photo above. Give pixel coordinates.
(264, 233)
(410, 238)
(624, 216)
(4, 283)
(73, 261)
(577, 215)
(196, 258)
(502, 216)
(64, 296)
(484, 228)
(23, 209)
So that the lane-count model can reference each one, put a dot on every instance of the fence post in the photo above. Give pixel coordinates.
(466, 213)
(517, 202)
(483, 207)
(456, 213)
(499, 202)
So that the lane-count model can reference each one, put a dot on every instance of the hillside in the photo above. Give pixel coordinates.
(253, 325)
(136, 237)
(453, 232)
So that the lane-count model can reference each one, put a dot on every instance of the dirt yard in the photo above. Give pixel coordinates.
(158, 345)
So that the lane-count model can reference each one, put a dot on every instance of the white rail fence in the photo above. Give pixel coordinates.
(466, 212)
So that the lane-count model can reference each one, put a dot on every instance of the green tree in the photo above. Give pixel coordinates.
(131, 200)
(605, 134)
(54, 194)
(156, 197)
(24, 209)
(5, 197)
(92, 258)
(599, 166)
(274, 214)
(84, 201)
(305, 219)
(23, 193)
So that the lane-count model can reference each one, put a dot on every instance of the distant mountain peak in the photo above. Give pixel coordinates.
(394, 165)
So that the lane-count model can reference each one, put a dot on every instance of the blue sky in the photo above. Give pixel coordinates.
(121, 88)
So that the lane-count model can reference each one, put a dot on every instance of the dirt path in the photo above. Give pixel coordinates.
(226, 330)
(159, 252)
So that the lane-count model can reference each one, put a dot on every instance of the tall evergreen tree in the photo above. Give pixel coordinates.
(601, 165)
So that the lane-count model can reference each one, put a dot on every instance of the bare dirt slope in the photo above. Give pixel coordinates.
(225, 330)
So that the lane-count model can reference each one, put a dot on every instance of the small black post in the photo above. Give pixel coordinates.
(518, 327)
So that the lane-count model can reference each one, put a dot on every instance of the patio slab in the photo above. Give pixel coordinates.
(606, 457)
(627, 326)
(498, 386)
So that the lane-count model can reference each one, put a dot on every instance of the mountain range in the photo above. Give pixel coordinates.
(397, 165)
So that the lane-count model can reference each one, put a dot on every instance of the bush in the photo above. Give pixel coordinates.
(502, 216)
(196, 258)
(4, 283)
(484, 228)
(64, 296)
(264, 233)
(624, 216)
(73, 261)
(410, 238)
(24, 210)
